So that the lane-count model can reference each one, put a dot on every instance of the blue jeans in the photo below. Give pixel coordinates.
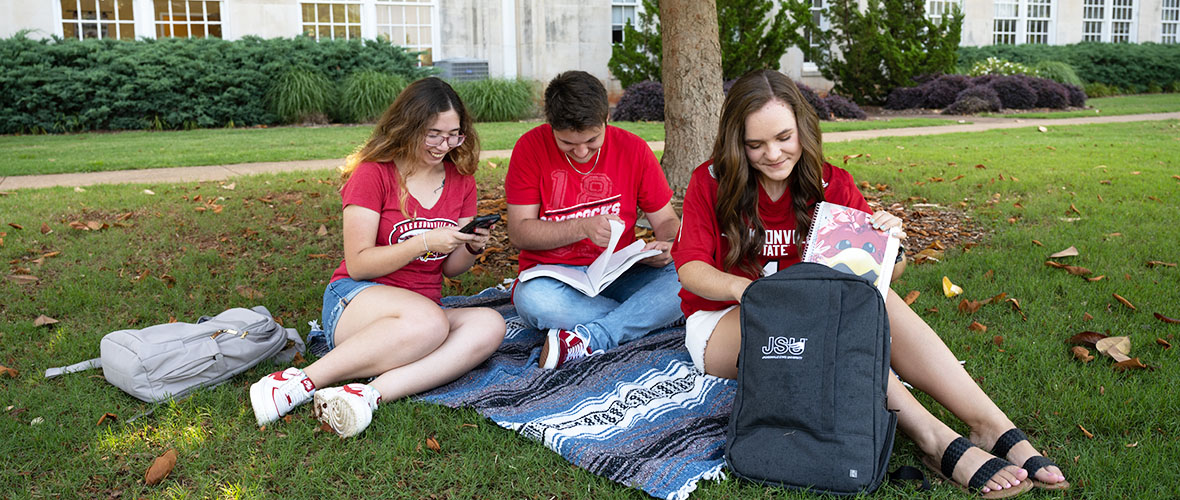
(337, 295)
(642, 299)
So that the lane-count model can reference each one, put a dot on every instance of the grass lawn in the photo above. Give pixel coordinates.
(98, 152)
(1107, 106)
(183, 250)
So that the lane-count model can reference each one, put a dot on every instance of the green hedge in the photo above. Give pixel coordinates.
(71, 85)
(1132, 66)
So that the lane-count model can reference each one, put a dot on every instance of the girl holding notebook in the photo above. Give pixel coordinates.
(761, 185)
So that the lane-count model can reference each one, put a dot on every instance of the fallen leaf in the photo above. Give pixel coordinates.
(957, 177)
(229, 186)
(1086, 432)
(976, 326)
(1087, 317)
(950, 289)
(1053, 263)
(1153, 263)
(1125, 302)
(1167, 345)
(1037, 243)
(78, 189)
(850, 157)
(45, 228)
(1166, 319)
(996, 298)
(43, 320)
(287, 419)
(1068, 252)
(37, 421)
(15, 225)
(106, 416)
(980, 166)
(1074, 209)
(148, 191)
(998, 340)
(1041, 128)
(8, 372)
(317, 256)
(1115, 347)
(911, 297)
(433, 445)
(323, 231)
(969, 306)
(298, 361)
(160, 468)
(1077, 271)
(168, 280)
(473, 426)
(1129, 364)
(96, 225)
(248, 293)
(1086, 338)
(989, 274)
(1132, 445)
(1082, 354)
(22, 279)
(1096, 278)
(325, 427)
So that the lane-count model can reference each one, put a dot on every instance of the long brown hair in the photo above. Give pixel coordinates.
(402, 128)
(737, 193)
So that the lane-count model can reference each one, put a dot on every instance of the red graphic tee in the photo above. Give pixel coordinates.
(375, 187)
(627, 176)
(700, 235)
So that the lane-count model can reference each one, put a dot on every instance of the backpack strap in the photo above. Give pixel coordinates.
(89, 364)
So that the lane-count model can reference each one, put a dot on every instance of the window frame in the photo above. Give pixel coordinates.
(1033, 21)
(1107, 23)
(636, 7)
(1171, 35)
(158, 25)
(119, 24)
(332, 23)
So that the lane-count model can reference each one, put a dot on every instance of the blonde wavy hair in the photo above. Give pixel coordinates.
(402, 129)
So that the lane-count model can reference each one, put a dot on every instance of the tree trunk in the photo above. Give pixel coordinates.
(692, 86)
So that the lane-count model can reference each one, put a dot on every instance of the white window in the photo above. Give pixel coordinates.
(621, 13)
(1170, 18)
(332, 19)
(97, 19)
(1023, 21)
(937, 9)
(188, 18)
(410, 24)
(1109, 21)
(817, 17)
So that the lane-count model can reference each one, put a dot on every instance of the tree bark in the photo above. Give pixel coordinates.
(692, 86)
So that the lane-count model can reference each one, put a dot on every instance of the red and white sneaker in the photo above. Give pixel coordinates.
(277, 393)
(563, 346)
(347, 409)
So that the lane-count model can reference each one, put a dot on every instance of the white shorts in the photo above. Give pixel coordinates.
(697, 330)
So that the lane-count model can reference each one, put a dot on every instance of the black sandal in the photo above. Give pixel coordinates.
(1034, 463)
(950, 458)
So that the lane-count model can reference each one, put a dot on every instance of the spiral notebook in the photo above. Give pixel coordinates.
(843, 238)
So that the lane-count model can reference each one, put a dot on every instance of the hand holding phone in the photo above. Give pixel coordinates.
(482, 221)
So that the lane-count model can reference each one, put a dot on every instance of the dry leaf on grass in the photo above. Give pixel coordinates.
(998, 340)
(969, 306)
(1117, 348)
(850, 157)
(1164, 343)
(1166, 319)
(22, 279)
(15, 225)
(1082, 354)
(1086, 432)
(45, 228)
(1124, 302)
(950, 289)
(43, 320)
(105, 417)
(1037, 243)
(911, 297)
(248, 293)
(323, 231)
(1129, 364)
(160, 468)
(1068, 252)
(1153, 263)
(8, 372)
(1086, 338)
(432, 444)
(977, 327)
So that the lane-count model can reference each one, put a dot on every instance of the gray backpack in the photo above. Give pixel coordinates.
(810, 412)
(174, 359)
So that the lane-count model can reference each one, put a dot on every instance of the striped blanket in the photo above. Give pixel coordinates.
(639, 415)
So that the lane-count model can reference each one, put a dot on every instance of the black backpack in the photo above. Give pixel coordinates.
(812, 373)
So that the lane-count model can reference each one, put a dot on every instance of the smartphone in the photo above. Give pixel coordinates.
(484, 221)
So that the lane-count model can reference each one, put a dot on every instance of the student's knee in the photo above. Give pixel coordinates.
(430, 325)
(491, 328)
(534, 300)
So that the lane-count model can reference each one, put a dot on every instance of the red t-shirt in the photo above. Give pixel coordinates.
(375, 187)
(700, 237)
(627, 176)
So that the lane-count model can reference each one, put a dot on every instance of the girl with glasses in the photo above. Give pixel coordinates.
(407, 192)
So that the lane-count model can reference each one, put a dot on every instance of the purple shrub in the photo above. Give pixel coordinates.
(941, 92)
(905, 98)
(973, 100)
(1077, 96)
(1014, 91)
(643, 101)
(843, 108)
(821, 108)
(1050, 94)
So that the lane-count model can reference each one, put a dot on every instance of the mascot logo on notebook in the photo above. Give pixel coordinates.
(855, 251)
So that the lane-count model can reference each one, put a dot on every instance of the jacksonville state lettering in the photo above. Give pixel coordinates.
(778, 243)
(410, 228)
(606, 206)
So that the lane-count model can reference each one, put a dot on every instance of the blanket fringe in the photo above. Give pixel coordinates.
(717, 473)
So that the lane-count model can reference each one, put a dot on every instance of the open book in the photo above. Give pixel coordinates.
(843, 238)
(602, 272)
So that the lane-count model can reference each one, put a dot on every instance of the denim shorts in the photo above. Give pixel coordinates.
(337, 295)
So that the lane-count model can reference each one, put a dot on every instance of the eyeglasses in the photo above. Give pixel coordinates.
(435, 140)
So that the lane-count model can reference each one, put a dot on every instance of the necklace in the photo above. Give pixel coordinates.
(440, 186)
(597, 155)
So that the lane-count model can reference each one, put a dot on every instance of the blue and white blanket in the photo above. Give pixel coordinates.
(639, 415)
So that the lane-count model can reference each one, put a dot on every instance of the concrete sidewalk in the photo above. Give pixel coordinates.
(221, 172)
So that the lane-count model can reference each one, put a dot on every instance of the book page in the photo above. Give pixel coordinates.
(602, 264)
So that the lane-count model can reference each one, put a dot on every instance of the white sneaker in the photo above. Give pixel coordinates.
(277, 393)
(347, 409)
